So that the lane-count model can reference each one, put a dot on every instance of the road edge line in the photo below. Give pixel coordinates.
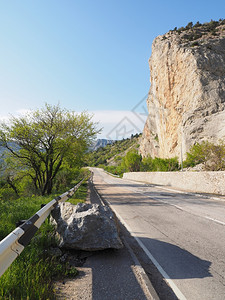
(145, 282)
(147, 286)
(173, 286)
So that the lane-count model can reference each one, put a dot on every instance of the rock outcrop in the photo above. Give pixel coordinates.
(100, 143)
(186, 101)
(85, 226)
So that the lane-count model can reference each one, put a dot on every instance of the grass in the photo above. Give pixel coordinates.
(80, 195)
(31, 275)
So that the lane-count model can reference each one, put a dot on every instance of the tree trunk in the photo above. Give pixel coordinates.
(9, 181)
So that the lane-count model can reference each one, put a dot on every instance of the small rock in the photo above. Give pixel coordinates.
(55, 252)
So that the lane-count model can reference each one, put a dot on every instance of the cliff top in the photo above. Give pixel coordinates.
(195, 35)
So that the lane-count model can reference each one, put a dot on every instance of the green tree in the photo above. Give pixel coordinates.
(198, 24)
(150, 164)
(198, 153)
(46, 139)
(218, 157)
(132, 161)
(189, 25)
(147, 164)
(211, 156)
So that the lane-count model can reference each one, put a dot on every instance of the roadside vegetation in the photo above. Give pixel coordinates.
(123, 156)
(42, 156)
(210, 156)
(133, 162)
(32, 274)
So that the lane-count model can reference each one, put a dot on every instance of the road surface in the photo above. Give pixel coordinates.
(183, 234)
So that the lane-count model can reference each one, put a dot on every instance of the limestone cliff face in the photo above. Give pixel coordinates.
(186, 100)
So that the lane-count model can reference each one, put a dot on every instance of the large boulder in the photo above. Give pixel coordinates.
(85, 226)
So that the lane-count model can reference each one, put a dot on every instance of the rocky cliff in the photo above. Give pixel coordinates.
(186, 101)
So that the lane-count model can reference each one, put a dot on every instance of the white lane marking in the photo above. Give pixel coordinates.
(153, 198)
(173, 286)
(145, 283)
(217, 199)
(172, 190)
(177, 206)
(215, 220)
(175, 190)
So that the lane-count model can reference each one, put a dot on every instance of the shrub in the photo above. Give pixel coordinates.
(210, 155)
(197, 24)
(150, 164)
(118, 158)
(132, 161)
(179, 30)
(198, 154)
(194, 44)
(31, 275)
(211, 26)
(65, 177)
(147, 164)
(189, 26)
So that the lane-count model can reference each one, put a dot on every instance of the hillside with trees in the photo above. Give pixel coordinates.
(123, 156)
(196, 33)
(112, 153)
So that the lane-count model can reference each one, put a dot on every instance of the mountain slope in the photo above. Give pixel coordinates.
(112, 154)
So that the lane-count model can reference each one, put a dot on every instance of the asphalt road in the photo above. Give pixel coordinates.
(181, 233)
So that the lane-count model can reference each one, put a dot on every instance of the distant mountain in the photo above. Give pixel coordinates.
(100, 143)
(4, 150)
(113, 153)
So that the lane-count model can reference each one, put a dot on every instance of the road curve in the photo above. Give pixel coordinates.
(182, 233)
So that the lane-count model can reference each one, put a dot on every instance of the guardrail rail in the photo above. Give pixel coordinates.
(14, 243)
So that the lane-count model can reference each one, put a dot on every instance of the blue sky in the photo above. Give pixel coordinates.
(87, 55)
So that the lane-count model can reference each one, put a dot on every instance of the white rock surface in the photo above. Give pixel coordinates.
(85, 226)
(186, 101)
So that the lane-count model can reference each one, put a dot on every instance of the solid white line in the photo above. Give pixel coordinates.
(177, 190)
(214, 220)
(178, 207)
(173, 286)
(175, 289)
(156, 199)
(145, 282)
(217, 199)
(172, 190)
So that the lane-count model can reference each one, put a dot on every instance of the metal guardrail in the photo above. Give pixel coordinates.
(14, 243)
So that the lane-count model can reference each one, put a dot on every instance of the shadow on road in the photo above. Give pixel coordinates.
(149, 195)
(177, 262)
(113, 276)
